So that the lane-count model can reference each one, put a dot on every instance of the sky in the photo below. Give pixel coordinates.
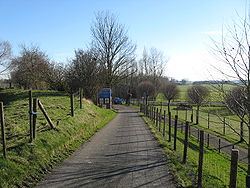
(181, 29)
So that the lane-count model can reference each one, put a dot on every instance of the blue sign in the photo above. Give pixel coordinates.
(105, 93)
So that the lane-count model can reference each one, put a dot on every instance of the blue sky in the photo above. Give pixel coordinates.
(179, 28)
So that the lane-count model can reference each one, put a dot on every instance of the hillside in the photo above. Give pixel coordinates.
(27, 162)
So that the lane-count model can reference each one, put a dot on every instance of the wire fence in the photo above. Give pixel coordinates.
(15, 118)
(217, 168)
(232, 129)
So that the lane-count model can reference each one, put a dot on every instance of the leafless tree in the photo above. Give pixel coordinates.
(116, 51)
(170, 91)
(5, 53)
(151, 66)
(145, 89)
(56, 77)
(197, 95)
(84, 72)
(29, 70)
(234, 54)
(236, 101)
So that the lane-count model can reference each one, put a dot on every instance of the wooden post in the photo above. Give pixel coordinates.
(30, 116)
(154, 116)
(192, 116)
(219, 145)
(169, 126)
(3, 130)
(234, 165)
(157, 118)
(175, 131)
(72, 104)
(186, 115)
(201, 152)
(241, 131)
(208, 120)
(45, 114)
(160, 121)
(185, 144)
(164, 123)
(80, 90)
(207, 140)
(34, 117)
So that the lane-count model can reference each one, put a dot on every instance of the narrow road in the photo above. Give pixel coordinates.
(123, 154)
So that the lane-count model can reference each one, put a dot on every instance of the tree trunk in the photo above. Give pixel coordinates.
(248, 169)
(168, 106)
(197, 115)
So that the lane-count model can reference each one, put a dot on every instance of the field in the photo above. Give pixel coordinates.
(214, 116)
(27, 162)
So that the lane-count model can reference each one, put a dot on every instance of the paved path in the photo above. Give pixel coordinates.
(123, 154)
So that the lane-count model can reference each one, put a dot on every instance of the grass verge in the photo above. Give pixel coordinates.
(216, 167)
(27, 163)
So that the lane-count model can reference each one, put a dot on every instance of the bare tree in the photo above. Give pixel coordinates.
(145, 89)
(197, 95)
(151, 66)
(84, 72)
(234, 54)
(116, 51)
(29, 70)
(56, 77)
(170, 91)
(5, 53)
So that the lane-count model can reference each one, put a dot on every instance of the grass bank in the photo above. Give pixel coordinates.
(216, 167)
(26, 162)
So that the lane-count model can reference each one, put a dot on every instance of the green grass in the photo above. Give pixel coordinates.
(26, 162)
(216, 125)
(216, 167)
(217, 113)
(215, 95)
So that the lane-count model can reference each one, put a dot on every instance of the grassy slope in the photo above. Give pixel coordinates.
(216, 167)
(26, 163)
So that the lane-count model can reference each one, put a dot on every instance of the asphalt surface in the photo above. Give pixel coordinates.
(123, 154)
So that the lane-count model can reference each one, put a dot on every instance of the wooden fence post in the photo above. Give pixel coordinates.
(207, 140)
(3, 130)
(72, 104)
(219, 145)
(30, 116)
(80, 90)
(241, 131)
(234, 165)
(185, 143)
(201, 152)
(154, 116)
(160, 121)
(169, 126)
(175, 131)
(157, 118)
(45, 114)
(192, 116)
(164, 123)
(186, 115)
(34, 117)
